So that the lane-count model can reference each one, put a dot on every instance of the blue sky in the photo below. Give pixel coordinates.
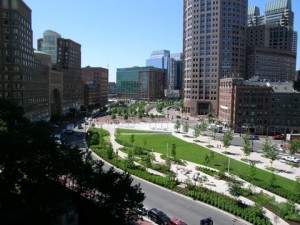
(120, 33)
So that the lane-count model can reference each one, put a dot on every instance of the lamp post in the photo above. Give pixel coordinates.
(252, 144)
(117, 153)
(195, 178)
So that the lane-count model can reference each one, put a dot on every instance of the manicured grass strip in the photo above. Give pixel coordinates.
(195, 153)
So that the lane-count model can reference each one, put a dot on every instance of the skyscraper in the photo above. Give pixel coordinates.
(271, 42)
(161, 59)
(214, 46)
(65, 56)
(23, 78)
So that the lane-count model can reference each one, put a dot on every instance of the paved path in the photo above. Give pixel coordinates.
(212, 183)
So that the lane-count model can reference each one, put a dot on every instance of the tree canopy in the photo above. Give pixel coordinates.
(36, 175)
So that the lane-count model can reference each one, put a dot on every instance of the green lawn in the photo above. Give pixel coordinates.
(195, 153)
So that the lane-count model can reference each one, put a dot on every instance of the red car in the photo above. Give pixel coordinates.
(176, 221)
(278, 137)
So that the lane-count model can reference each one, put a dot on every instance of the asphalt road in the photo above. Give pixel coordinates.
(188, 210)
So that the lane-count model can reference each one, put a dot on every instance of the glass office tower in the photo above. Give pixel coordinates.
(161, 59)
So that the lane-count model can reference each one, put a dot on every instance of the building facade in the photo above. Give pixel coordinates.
(23, 78)
(214, 46)
(161, 59)
(271, 42)
(68, 61)
(95, 80)
(144, 83)
(259, 107)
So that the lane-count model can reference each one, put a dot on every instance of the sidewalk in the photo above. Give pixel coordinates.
(212, 183)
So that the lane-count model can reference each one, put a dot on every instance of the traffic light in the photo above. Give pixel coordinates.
(207, 221)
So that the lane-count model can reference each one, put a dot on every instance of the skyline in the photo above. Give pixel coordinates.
(123, 36)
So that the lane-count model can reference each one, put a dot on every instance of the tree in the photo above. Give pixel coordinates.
(228, 135)
(126, 116)
(247, 147)
(113, 116)
(173, 150)
(129, 161)
(202, 127)
(235, 189)
(196, 132)
(34, 175)
(147, 161)
(210, 117)
(294, 146)
(177, 125)
(270, 150)
(252, 171)
(186, 127)
(214, 132)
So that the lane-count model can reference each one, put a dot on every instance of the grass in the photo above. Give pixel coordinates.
(195, 153)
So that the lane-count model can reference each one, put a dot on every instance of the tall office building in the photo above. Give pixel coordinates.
(214, 44)
(271, 42)
(23, 78)
(68, 60)
(161, 59)
(143, 83)
(49, 44)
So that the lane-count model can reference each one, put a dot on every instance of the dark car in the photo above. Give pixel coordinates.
(253, 137)
(158, 216)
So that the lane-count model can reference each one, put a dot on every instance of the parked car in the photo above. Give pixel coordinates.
(291, 159)
(253, 137)
(176, 221)
(278, 137)
(158, 216)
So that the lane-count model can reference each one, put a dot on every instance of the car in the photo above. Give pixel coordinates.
(253, 137)
(291, 159)
(278, 137)
(158, 216)
(143, 211)
(176, 221)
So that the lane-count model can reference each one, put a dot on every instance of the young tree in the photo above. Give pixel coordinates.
(247, 146)
(173, 150)
(210, 117)
(129, 161)
(235, 189)
(214, 130)
(270, 150)
(202, 127)
(196, 132)
(147, 161)
(252, 171)
(228, 135)
(177, 125)
(294, 146)
(186, 127)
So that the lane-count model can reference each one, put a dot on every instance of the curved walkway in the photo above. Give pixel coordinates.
(187, 172)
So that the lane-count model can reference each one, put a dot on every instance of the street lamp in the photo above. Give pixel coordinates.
(195, 178)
